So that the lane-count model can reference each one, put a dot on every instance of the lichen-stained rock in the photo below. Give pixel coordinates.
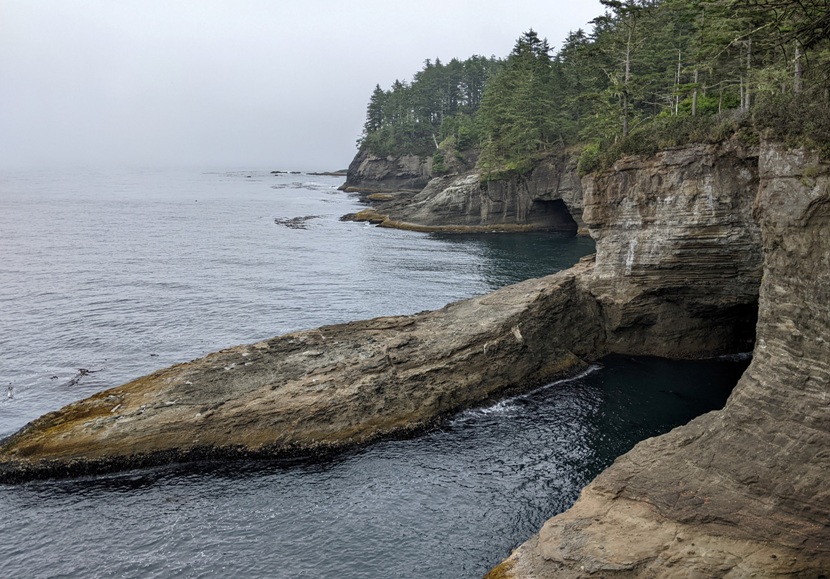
(744, 491)
(678, 252)
(321, 389)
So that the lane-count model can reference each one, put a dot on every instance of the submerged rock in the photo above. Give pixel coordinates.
(295, 222)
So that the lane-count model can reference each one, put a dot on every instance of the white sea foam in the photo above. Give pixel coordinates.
(587, 372)
(511, 406)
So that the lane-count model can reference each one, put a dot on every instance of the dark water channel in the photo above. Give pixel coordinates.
(148, 278)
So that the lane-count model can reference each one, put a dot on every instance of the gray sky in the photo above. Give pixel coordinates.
(249, 83)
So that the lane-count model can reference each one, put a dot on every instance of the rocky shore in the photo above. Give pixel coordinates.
(697, 248)
(404, 194)
(337, 386)
(318, 390)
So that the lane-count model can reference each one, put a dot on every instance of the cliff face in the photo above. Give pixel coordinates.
(549, 198)
(678, 252)
(372, 173)
(682, 241)
(344, 385)
(742, 491)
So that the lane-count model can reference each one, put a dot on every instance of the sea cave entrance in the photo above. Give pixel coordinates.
(553, 215)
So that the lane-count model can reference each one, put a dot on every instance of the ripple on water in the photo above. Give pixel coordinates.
(108, 269)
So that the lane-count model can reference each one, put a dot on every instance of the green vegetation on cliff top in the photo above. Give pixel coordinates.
(651, 74)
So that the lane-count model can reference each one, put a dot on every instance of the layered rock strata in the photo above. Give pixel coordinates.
(678, 251)
(548, 199)
(743, 491)
(374, 173)
(343, 385)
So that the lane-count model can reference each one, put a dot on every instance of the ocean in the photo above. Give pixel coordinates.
(109, 275)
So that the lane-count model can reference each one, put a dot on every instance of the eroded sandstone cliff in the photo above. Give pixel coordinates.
(344, 385)
(678, 251)
(549, 198)
(677, 272)
(743, 491)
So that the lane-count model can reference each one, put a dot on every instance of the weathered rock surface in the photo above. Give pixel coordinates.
(548, 199)
(743, 491)
(344, 385)
(317, 390)
(372, 173)
(678, 267)
(678, 251)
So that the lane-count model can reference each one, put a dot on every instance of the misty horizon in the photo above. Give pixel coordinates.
(214, 84)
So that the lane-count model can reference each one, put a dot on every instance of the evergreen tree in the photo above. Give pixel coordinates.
(639, 77)
(517, 110)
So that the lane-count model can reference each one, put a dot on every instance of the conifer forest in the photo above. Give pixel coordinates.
(650, 74)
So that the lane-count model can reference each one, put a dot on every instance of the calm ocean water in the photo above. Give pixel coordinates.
(124, 273)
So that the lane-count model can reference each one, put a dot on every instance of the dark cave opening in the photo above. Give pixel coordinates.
(552, 215)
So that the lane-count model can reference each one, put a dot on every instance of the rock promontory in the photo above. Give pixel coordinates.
(701, 250)
(342, 385)
(549, 198)
(315, 391)
(369, 172)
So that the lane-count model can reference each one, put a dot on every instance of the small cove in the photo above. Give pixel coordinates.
(128, 273)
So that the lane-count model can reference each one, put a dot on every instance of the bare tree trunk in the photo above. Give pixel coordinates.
(748, 67)
(798, 83)
(742, 92)
(677, 87)
(694, 96)
(626, 79)
(625, 115)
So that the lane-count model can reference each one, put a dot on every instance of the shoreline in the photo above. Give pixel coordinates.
(322, 389)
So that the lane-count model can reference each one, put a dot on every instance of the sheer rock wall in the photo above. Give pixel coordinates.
(678, 251)
(742, 491)
(373, 173)
(680, 242)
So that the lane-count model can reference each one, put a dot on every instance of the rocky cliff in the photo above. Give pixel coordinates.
(743, 491)
(374, 173)
(549, 198)
(678, 251)
(684, 242)
(684, 219)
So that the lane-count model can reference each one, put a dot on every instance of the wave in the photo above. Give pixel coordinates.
(512, 405)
